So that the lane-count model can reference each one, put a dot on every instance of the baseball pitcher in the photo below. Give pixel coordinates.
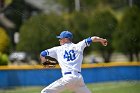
(69, 57)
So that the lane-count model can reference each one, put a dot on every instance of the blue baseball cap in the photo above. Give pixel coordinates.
(65, 34)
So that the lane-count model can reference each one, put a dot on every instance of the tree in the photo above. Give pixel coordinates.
(137, 3)
(3, 59)
(17, 11)
(14, 12)
(126, 38)
(103, 24)
(4, 41)
(4, 4)
(77, 23)
(68, 4)
(39, 33)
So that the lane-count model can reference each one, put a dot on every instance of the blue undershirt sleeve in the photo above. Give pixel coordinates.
(44, 53)
(88, 41)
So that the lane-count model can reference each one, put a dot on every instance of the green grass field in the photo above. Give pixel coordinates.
(112, 87)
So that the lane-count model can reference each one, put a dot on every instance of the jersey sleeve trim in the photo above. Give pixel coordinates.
(47, 52)
(44, 53)
(88, 41)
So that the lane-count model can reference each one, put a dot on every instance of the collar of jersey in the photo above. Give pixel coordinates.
(67, 43)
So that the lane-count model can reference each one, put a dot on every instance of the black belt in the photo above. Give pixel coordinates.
(69, 73)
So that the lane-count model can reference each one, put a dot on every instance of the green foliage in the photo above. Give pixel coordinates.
(3, 59)
(4, 40)
(77, 23)
(16, 12)
(126, 38)
(91, 5)
(39, 33)
(103, 24)
(68, 4)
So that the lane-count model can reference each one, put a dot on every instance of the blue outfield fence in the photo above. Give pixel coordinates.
(37, 76)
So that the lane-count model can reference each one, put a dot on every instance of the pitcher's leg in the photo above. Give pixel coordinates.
(83, 89)
(55, 87)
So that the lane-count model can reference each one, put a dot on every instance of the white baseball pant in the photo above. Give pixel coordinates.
(73, 81)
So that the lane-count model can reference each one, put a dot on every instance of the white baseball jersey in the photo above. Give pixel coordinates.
(70, 58)
(69, 55)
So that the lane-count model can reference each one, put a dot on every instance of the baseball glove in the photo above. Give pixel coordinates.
(50, 62)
